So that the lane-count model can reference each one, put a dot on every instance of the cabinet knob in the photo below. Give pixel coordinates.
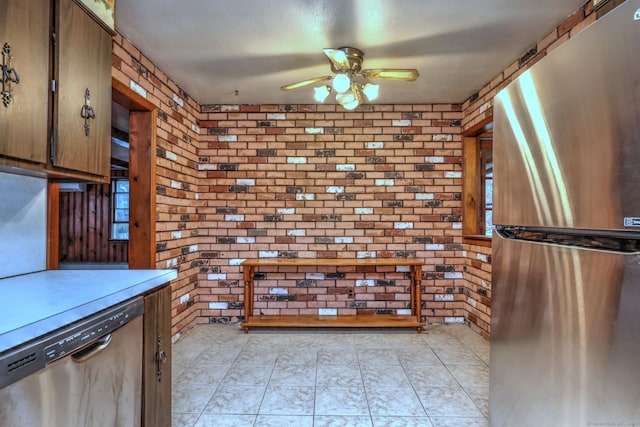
(9, 75)
(87, 111)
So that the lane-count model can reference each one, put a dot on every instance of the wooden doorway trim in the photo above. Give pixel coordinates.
(142, 176)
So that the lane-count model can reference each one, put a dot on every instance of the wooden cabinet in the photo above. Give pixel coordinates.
(156, 382)
(83, 52)
(24, 104)
(58, 115)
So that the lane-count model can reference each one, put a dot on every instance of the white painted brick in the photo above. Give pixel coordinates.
(424, 196)
(345, 168)
(374, 145)
(453, 275)
(484, 284)
(307, 197)
(138, 89)
(171, 156)
(403, 312)
(485, 107)
(286, 211)
(453, 174)
(365, 282)
(314, 276)
(473, 303)
(363, 211)
(230, 108)
(184, 298)
(464, 254)
(327, 311)
(453, 320)
(344, 239)
(434, 159)
(385, 182)
(193, 248)
(176, 234)
(278, 291)
(268, 254)
(217, 276)
(434, 247)
(335, 189)
(237, 261)
(218, 305)
(176, 184)
(197, 196)
(207, 167)
(195, 128)
(442, 138)
(403, 269)
(178, 100)
(170, 263)
(443, 297)
(482, 257)
(401, 123)
(313, 130)
(402, 225)
(296, 160)
(276, 116)
(366, 254)
(297, 233)
(231, 217)
(456, 225)
(245, 181)
(227, 138)
(244, 239)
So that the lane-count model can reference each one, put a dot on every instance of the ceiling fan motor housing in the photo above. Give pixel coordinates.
(354, 57)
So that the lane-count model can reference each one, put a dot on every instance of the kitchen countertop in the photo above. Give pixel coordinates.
(35, 304)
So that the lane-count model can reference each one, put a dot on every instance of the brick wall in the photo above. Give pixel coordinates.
(240, 181)
(317, 181)
(177, 220)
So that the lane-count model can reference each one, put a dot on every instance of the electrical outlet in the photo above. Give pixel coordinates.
(350, 293)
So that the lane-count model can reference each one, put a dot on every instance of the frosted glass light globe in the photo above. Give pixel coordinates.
(341, 83)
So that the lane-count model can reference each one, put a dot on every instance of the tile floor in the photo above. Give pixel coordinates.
(223, 377)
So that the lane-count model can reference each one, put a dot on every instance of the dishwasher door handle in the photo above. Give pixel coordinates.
(93, 349)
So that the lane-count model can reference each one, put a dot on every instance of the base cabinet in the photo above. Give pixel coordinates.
(156, 381)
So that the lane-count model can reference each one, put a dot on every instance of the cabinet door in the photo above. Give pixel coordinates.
(156, 382)
(84, 78)
(25, 28)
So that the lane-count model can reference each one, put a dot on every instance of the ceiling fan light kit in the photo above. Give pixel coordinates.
(346, 64)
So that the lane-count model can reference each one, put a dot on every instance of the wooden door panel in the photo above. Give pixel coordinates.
(25, 27)
(84, 62)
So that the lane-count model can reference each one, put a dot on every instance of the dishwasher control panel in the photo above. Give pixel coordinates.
(76, 339)
(35, 355)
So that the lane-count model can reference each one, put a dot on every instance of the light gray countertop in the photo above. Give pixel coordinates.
(35, 304)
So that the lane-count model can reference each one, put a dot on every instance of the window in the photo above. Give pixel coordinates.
(120, 209)
(478, 184)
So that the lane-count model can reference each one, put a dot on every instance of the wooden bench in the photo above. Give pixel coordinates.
(412, 320)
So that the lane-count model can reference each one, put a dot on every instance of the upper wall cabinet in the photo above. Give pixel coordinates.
(24, 58)
(83, 139)
(55, 111)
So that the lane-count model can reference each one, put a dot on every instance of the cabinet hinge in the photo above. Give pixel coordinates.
(53, 85)
(52, 147)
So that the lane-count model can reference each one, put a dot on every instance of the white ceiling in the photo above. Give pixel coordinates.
(213, 48)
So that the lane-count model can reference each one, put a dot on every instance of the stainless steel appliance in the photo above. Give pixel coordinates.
(86, 374)
(565, 338)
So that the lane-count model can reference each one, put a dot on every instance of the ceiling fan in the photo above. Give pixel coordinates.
(350, 80)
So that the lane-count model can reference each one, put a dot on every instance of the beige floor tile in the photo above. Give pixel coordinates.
(217, 420)
(384, 376)
(378, 356)
(339, 375)
(248, 374)
(183, 420)
(341, 421)
(447, 401)
(459, 422)
(283, 421)
(280, 400)
(337, 356)
(470, 376)
(190, 397)
(341, 401)
(236, 400)
(401, 422)
(433, 376)
(391, 401)
(293, 375)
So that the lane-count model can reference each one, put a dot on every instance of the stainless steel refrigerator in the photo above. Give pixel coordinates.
(565, 334)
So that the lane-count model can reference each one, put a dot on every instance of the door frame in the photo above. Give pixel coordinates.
(142, 184)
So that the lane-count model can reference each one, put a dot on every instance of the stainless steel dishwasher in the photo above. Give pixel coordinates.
(86, 374)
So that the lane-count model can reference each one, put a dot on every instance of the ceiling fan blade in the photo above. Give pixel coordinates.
(390, 73)
(338, 58)
(305, 83)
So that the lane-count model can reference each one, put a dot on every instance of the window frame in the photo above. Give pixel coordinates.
(112, 208)
(473, 192)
